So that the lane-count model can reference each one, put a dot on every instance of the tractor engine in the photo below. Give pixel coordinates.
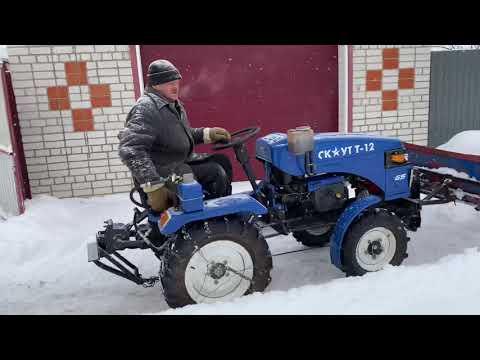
(301, 198)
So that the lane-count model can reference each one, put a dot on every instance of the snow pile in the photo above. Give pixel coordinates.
(3, 214)
(449, 286)
(452, 172)
(7, 149)
(466, 142)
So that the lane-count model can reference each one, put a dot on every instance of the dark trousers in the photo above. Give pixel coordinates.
(214, 174)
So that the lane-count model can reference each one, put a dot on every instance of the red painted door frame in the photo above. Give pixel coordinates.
(21, 174)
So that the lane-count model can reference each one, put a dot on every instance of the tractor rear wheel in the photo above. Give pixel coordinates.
(375, 240)
(313, 238)
(217, 260)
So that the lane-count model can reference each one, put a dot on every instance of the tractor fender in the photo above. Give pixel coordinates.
(172, 219)
(344, 222)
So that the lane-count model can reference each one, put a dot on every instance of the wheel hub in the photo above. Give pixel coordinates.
(217, 270)
(375, 248)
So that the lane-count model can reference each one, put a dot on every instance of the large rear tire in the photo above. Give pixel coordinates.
(377, 239)
(310, 238)
(220, 261)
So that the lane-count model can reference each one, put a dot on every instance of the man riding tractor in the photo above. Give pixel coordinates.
(157, 141)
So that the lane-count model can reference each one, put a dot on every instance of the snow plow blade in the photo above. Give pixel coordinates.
(445, 175)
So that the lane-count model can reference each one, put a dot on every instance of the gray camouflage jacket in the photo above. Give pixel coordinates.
(157, 139)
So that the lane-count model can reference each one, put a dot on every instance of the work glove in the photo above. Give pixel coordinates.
(217, 134)
(159, 197)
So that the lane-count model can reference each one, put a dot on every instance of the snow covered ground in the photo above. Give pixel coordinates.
(44, 269)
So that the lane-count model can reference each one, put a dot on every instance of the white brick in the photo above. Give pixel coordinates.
(104, 48)
(421, 111)
(59, 180)
(42, 67)
(71, 143)
(53, 137)
(28, 59)
(84, 49)
(40, 50)
(376, 120)
(122, 48)
(79, 171)
(100, 177)
(406, 51)
(16, 76)
(45, 83)
(40, 190)
(57, 159)
(20, 68)
(374, 59)
(58, 166)
(405, 118)
(62, 49)
(82, 192)
(396, 126)
(107, 72)
(111, 176)
(117, 87)
(107, 64)
(126, 64)
(97, 163)
(390, 86)
(377, 66)
(23, 84)
(420, 131)
(121, 189)
(407, 138)
(126, 71)
(390, 79)
(374, 52)
(62, 194)
(102, 191)
(404, 131)
(46, 182)
(420, 137)
(17, 50)
(77, 157)
(109, 79)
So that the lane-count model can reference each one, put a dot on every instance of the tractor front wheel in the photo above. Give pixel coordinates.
(217, 260)
(377, 239)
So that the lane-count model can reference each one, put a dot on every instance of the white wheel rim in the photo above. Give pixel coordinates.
(207, 278)
(376, 248)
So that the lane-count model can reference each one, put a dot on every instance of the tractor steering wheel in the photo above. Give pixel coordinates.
(238, 137)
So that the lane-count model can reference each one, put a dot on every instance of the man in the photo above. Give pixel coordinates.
(158, 141)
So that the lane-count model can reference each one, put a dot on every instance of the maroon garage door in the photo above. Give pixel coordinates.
(236, 86)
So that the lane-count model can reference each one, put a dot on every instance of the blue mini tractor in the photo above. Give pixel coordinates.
(355, 192)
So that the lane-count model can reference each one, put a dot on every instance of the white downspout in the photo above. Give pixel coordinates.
(139, 69)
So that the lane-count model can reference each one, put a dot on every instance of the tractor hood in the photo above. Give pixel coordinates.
(359, 154)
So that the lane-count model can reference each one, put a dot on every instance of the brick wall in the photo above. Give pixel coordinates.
(72, 100)
(391, 91)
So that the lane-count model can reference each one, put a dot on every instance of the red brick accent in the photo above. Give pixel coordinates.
(391, 58)
(100, 95)
(82, 120)
(58, 98)
(406, 83)
(76, 73)
(390, 105)
(389, 95)
(374, 80)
